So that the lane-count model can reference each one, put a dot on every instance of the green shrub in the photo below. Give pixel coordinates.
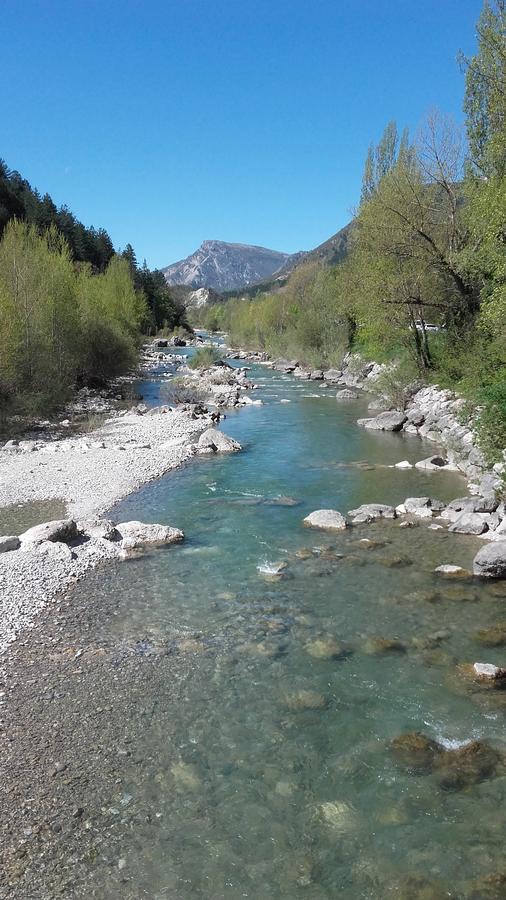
(204, 358)
(181, 391)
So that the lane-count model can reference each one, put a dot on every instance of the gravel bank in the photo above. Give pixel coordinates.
(89, 474)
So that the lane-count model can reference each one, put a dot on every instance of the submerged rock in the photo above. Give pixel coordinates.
(339, 816)
(470, 764)
(414, 751)
(489, 887)
(305, 699)
(375, 646)
(329, 519)
(490, 561)
(495, 636)
(328, 648)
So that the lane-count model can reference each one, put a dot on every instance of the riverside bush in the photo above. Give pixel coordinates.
(60, 325)
(204, 358)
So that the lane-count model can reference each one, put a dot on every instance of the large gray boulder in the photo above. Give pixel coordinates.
(490, 561)
(469, 523)
(386, 421)
(330, 519)
(347, 394)
(369, 512)
(414, 505)
(63, 530)
(139, 534)
(332, 376)
(215, 441)
(9, 542)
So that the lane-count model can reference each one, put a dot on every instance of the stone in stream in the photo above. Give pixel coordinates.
(422, 507)
(490, 561)
(337, 815)
(386, 421)
(59, 530)
(139, 534)
(489, 673)
(9, 542)
(449, 571)
(495, 636)
(329, 519)
(467, 765)
(369, 512)
(415, 751)
(305, 699)
(376, 646)
(432, 463)
(403, 464)
(214, 441)
(328, 648)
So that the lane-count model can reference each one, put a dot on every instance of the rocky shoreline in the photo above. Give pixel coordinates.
(88, 474)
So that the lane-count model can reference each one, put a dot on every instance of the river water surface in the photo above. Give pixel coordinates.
(244, 747)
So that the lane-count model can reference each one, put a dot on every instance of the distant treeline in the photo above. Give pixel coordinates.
(428, 247)
(72, 311)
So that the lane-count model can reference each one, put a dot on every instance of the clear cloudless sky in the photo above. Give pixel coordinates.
(168, 122)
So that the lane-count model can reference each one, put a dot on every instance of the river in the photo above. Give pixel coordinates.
(211, 731)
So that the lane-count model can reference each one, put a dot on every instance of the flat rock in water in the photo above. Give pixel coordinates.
(138, 534)
(450, 571)
(59, 530)
(432, 463)
(369, 512)
(489, 672)
(387, 421)
(217, 442)
(490, 561)
(330, 519)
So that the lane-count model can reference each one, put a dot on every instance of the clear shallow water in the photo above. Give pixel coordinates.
(254, 787)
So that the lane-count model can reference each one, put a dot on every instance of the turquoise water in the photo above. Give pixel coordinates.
(271, 777)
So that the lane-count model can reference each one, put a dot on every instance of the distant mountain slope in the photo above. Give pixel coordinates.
(331, 252)
(225, 267)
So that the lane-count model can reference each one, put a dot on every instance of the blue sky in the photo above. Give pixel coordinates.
(172, 121)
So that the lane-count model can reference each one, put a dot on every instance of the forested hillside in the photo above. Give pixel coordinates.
(72, 311)
(428, 247)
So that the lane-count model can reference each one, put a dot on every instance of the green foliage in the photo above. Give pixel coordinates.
(204, 358)
(398, 383)
(302, 320)
(19, 200)
(484, 101)
(60, 326)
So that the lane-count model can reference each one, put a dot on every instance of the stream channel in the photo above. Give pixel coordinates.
(183, 725)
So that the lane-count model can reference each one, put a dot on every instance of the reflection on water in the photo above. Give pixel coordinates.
(304, 655)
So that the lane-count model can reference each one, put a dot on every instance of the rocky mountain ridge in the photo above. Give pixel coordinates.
(224, 266)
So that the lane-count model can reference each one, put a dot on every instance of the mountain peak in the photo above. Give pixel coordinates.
(224, 266)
